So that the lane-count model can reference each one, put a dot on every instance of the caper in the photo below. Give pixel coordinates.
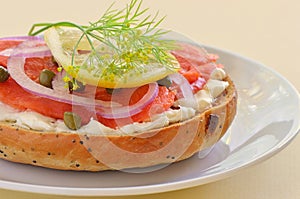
(167, 82)
(72, 120)
(46, 77)
(79, 88)
(112, 90)
(109, 90)
(4, 75)
(70, 85)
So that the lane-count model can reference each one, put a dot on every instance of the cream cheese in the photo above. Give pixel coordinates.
(204, 99)
(26, 119)
(216, 87)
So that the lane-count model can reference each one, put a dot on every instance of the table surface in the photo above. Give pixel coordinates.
(267, 31)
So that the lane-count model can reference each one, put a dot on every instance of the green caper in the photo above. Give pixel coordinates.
(72, 120)
(167, 82)
(109, 90)
(46, 77)
(112, 90)
(70, 85)
(4, 75)
(80, 86)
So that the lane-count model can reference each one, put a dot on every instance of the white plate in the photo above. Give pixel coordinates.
(268, 119)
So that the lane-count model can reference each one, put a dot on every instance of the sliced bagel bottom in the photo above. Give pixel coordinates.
(89, 152)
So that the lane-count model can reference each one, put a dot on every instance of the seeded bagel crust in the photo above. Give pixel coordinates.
(87, 152)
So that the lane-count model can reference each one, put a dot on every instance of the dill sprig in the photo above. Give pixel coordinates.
(131, 40)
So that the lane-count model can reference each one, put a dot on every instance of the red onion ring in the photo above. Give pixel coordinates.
(39, 51)
(35, 47)
(21, 38)
(116, 111)
(185, 90)
(15, 67)
(125, 111)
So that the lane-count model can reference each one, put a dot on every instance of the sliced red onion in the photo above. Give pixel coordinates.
(105, 109)
(7, 52)
(21, 38)
(117, 110)
(125, 111)
(35, 47)
(185, 96)
(58, 84)
(32, 48)
(40, 51)
(15, 67)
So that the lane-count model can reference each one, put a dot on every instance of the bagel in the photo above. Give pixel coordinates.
(116, 94)
(89, 152)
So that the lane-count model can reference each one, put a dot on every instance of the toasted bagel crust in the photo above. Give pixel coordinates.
(84, 152)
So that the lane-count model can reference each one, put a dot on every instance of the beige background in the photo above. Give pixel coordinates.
(265, 30)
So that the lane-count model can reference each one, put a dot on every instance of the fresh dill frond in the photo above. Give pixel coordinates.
(131, 40)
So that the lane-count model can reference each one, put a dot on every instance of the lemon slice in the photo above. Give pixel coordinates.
(95, 66)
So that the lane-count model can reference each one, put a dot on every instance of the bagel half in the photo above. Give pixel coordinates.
(86, 152)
